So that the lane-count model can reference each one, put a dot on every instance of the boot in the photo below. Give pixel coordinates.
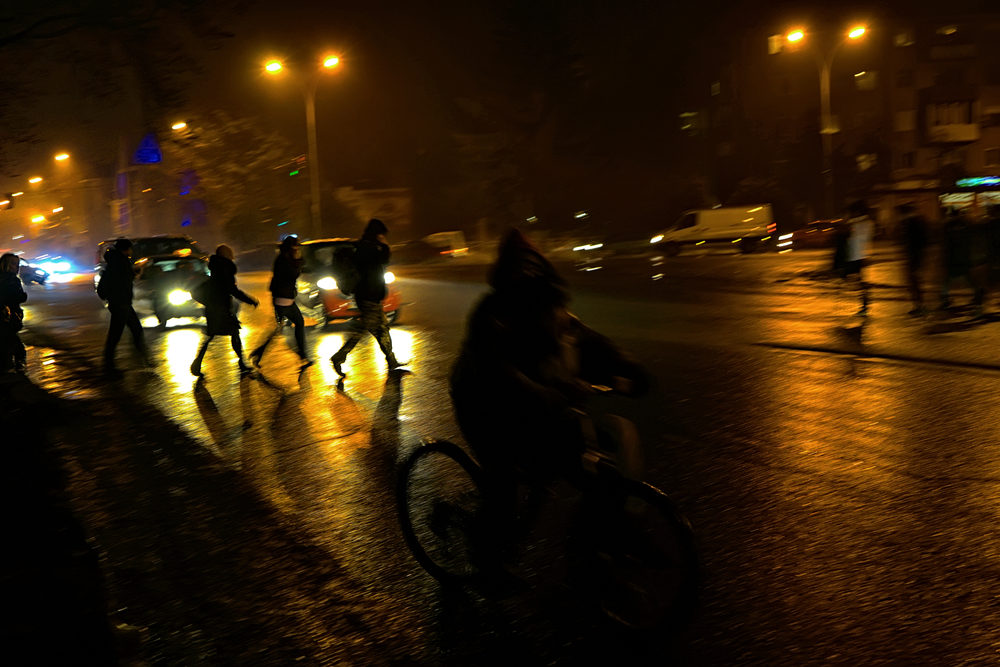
(337, 360)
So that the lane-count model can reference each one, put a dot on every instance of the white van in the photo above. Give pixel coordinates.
(748, 228)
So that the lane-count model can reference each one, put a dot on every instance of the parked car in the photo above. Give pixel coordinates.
(819, 234)
(32, 274)
(163, 285)
(318, 292)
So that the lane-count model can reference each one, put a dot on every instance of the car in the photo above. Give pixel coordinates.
(817, 234)
(32, 274)
(318, 293)
(148, 246)
(163, 285)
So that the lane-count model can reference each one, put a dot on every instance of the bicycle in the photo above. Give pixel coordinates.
(637, 555)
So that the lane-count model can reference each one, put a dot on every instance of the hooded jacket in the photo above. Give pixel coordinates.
(371, 257)
(116, 282)
(286, 272)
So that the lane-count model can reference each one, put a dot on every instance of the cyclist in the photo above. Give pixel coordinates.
(525, 368)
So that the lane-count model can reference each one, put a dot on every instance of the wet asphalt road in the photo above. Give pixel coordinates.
(844, 492)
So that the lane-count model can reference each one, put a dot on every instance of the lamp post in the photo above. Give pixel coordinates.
(827, 126)
(309, 84)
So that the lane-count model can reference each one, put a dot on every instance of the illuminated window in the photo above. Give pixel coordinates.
(947, 30)
(904, 38)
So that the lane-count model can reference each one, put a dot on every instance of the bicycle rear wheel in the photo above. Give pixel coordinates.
(439, 498)
(647, 563)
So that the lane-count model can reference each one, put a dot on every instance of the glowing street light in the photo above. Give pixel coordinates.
(61, 156)
(179, 125)
(35, 179)
(16, 194)
(38, 218)
(309, 83)
(826, 126)
(57, 209)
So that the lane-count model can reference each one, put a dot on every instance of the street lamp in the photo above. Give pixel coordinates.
(309, 83)
(60, 157)
(827, 127)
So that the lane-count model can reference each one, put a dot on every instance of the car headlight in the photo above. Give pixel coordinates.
(178, 297)
(327, 283)
(389, 277)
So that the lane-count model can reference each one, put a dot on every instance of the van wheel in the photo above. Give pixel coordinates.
(748, 246)
(672, 249)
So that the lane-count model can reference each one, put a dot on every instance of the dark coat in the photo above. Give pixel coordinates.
(286, 273)
(12, 292)
(221, 289)
(371, 258)
(115, 285)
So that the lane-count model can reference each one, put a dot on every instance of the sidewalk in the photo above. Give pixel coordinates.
(954, 337)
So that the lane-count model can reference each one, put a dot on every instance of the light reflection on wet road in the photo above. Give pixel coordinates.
(845, 505)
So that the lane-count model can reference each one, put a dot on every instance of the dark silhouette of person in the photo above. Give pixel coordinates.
(524, 370)
(115, 287)
(956, 253)
(12, 295)
(283, 288)
(220, 316)
(914, 228)
(993, 236)
(371, 256)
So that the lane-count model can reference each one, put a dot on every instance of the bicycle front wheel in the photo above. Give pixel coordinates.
(439, 499)
(648, 563)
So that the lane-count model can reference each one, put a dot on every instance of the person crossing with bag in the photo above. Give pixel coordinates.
(371, 256)
(217, 294)
(283, 287)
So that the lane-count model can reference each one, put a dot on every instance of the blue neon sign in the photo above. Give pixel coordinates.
(977, 181)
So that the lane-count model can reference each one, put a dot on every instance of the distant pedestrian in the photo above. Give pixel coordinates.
(220, 316)
(914, 228)
(12, 295)
(371, 256)
(283, 287)
(956, 253)
(857, 249)
(115, 287)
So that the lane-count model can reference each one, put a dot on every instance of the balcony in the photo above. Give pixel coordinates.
(956, 133)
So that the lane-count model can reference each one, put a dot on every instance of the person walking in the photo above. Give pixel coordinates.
(858, 245)
(371, 257)
(914, 228)
(115, 287)
(957, 256)
(12, 295)
(220, 317)
(283, 288)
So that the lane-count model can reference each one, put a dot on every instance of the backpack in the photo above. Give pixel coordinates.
(201, 291)
(345, 269)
